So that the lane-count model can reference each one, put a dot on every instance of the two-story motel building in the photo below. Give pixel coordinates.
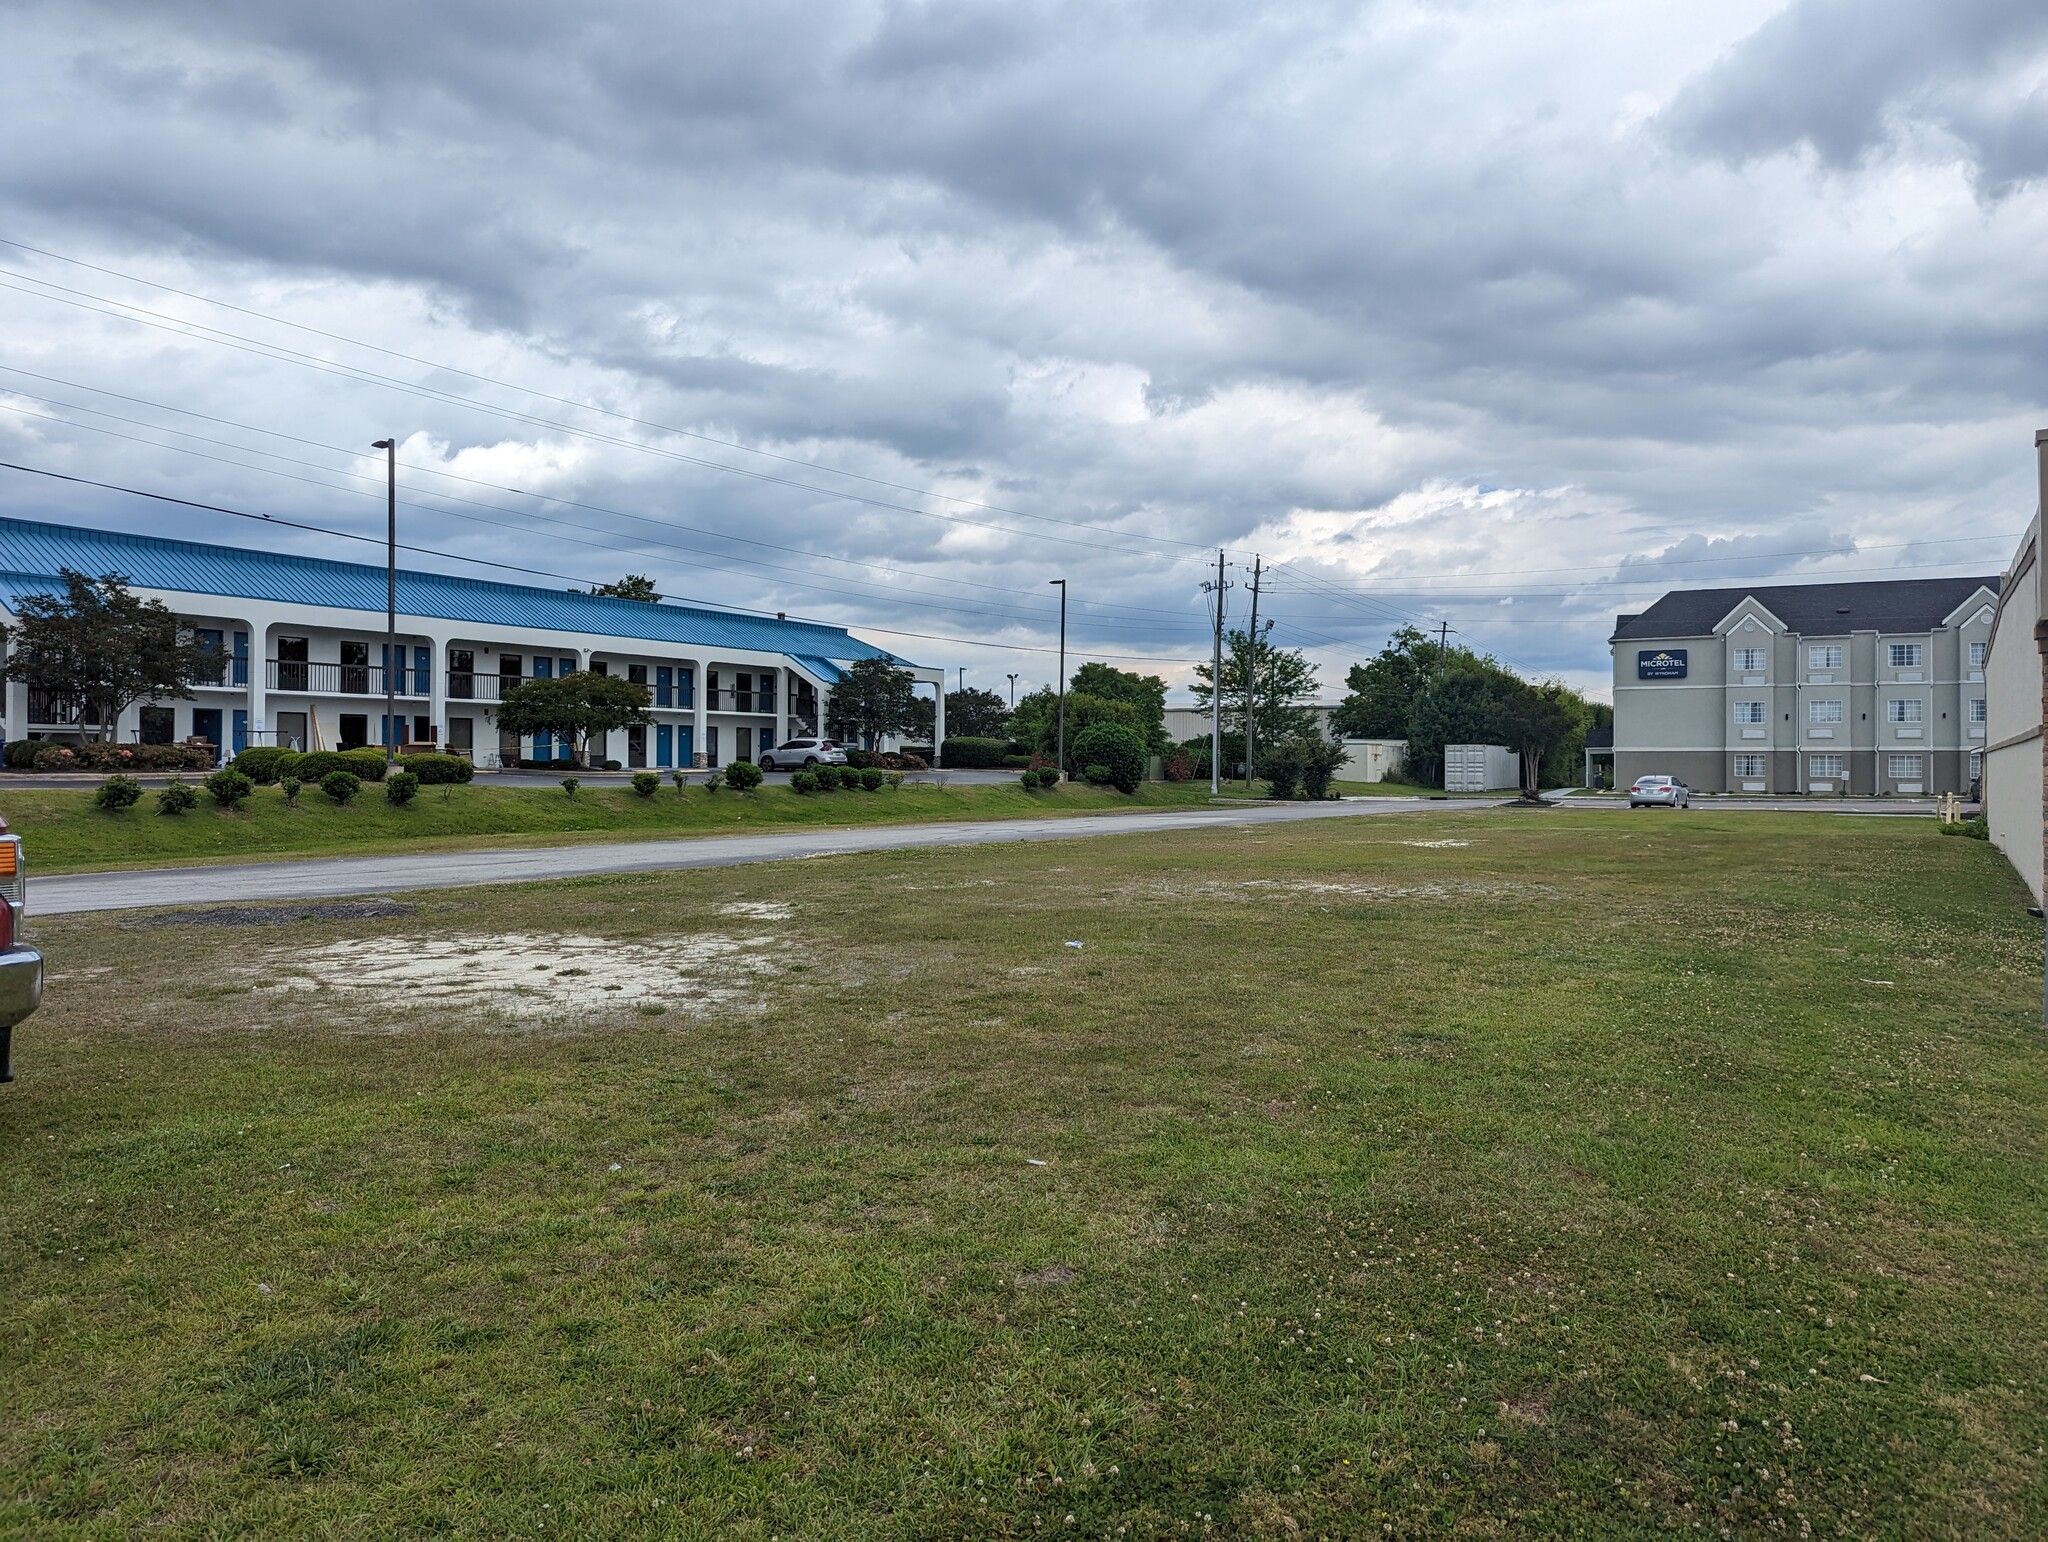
(302, 655)
(1849, 688)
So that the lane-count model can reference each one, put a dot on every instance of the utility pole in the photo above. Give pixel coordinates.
(1013, 691)
(390, 449)
(963, 677)
(1063, 672)
(1251, 673)
(1216, 686)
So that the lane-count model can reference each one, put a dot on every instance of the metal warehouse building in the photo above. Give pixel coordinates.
(1857, 688)
(302, 655)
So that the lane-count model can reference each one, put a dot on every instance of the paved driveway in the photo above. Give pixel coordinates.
(68, 893)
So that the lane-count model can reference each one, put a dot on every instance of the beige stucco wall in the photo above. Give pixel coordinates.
(2012, 691)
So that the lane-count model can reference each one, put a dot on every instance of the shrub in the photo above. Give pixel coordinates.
(401, 787)
(1042, 776)
(614, 765)
(315, 765)
(177, 798)
(262, 763)
(1179, 767)
(961, 752)
(803, 782)
(909, 762)
(1978, 829)
(341, 785)
(681, 778)
(743, 775)
(1019, 763)
(646, 783)
(117, 792)
(21, 754)
(894, 778)
(873, 779)
(1119, 751)
(1095, 776)
(121, 757)
(366, 763)
(436, 770)
(570, 784)
(860, 760)
(1321, 760)
(290, 786)
(228, 788)
(1280, 768)
(714, 781)
(849, 778)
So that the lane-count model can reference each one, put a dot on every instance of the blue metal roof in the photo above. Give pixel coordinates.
(31, 552)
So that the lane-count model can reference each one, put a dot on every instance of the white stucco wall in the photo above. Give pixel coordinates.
(2012, 690)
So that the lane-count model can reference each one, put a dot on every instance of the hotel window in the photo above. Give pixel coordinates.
(1749, 712)
(1749, 765)
(1976, 764)
(1824, 765)
(1976, 655)
(1902, 767)
(1906, 711)
(1829, 657)
(1823, 712)
(1976, 709)
(1749, 658)
(1905, 655)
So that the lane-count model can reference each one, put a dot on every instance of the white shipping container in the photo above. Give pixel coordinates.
(1481, 768)
(1373, 760)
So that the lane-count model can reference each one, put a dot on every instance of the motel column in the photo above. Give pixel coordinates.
(700, 694)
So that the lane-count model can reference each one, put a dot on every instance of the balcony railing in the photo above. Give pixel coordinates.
(342, 679)
(740, 701)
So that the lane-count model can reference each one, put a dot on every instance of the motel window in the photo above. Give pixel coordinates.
(1749, 658)
(1976, 709)
(1902, 711)
(1977, 655)
(1749, 765)
(1824, 765)
(1902, 767)
(1905, 655)
(1823, 712)
(1829, 657)
(1749, 712)
(1976, 764)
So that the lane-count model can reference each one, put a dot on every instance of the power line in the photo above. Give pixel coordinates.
(566, 401)
(431, 551)
(200, 332)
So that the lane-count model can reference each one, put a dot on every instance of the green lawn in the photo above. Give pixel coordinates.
(1597, 1176)
(63, 832)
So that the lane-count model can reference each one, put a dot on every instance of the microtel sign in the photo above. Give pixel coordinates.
(1664, 664)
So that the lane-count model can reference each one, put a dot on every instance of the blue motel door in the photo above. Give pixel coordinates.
(664, 743)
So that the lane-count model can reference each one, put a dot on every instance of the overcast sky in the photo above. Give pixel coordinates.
(1508, 315)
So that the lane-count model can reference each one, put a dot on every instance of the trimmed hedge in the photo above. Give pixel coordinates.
(804, 783)
(961, 753)
(228, 788)
(262, 764)
(436, 770)
(318, 765)
(117, 792)
(21, 754)
(401, 787)
(646, 783)
(743, 776)
(1117, 752)
(341, 785)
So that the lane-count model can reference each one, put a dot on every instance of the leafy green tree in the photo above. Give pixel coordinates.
(1382, 693)
(1285, 684)
(98, 648)
(977, 714)
(1456, 707)
(875, 697)
(1530, 721)
(1145, 693)
(573, 707)
(634, 586)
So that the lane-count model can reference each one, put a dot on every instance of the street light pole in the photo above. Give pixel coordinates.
(1013, 692)
(390, 449)
(1063, 672)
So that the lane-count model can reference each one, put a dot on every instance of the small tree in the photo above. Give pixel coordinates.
(1116, 748)
(1145, 694)
(1530, 721)
(1284, 681)
(976, 714)
(573, 707)
(874, 697)
(97, 649)
(634, 586)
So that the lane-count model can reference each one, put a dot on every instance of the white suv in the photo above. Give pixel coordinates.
(803, 754)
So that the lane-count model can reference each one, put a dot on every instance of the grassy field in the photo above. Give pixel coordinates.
(65, 833)
(1473, 1174)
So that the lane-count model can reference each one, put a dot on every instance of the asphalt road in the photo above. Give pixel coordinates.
(71, 893)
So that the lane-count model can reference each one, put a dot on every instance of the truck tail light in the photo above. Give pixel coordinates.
(13, 889)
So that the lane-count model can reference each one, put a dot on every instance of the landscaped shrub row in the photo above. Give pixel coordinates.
(845, 778)
(869, 760)
(42, 755)
(267, 763)
(960, 753)
(1041, 776)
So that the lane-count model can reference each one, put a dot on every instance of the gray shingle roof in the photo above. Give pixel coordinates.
(1815, 610)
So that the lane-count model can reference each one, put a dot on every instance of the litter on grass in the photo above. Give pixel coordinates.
(1073, 945)
(1036, 1161)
